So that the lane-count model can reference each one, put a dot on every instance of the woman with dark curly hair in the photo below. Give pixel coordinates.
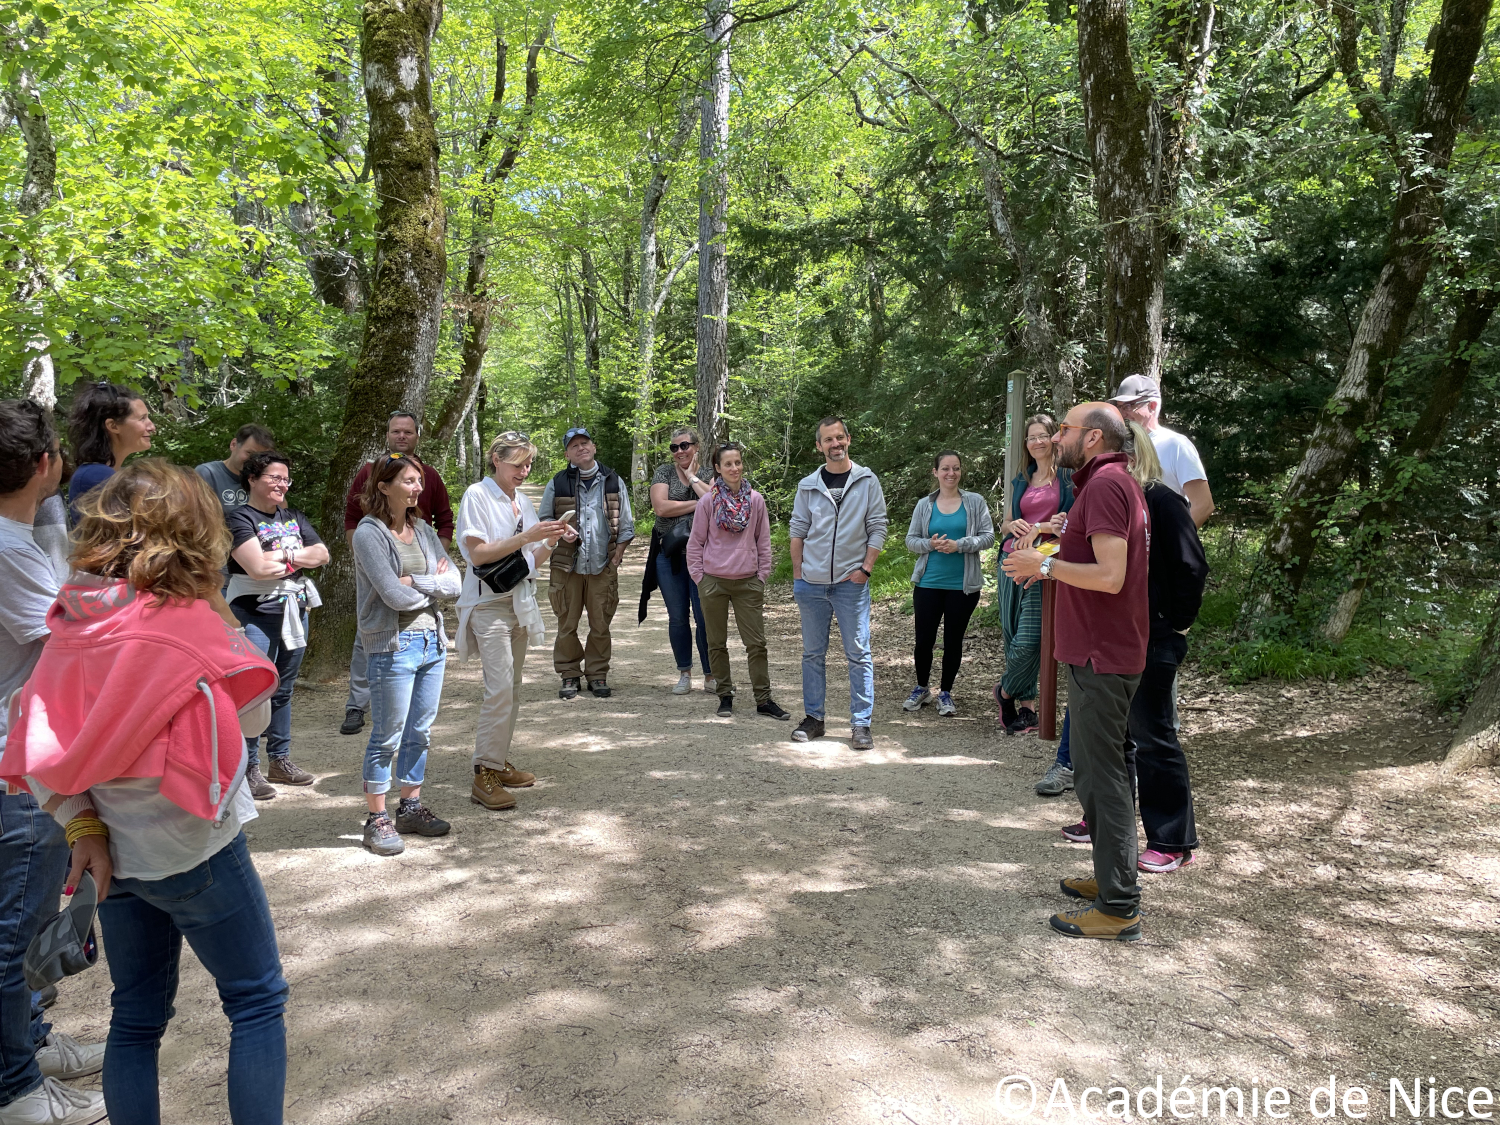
(106, 425)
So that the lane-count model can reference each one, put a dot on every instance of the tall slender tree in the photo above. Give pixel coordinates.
(713, 223)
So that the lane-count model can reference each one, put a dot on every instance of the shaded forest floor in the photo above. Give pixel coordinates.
(693, 919)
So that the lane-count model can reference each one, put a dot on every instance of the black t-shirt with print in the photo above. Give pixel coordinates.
(835, 483)
(283, 529)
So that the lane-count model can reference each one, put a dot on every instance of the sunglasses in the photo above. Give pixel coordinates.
(678, 447)
(513, 437)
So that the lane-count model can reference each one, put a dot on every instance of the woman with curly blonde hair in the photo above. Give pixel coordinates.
(131, 732)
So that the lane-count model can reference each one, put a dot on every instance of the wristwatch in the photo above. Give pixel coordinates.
(865, 569)
(1047, 567)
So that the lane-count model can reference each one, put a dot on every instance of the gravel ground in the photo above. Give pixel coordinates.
(694, 919)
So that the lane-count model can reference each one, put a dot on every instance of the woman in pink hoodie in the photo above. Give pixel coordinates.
(729, 556)
(131, 732)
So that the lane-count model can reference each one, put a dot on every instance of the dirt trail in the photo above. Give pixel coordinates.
(693, 919)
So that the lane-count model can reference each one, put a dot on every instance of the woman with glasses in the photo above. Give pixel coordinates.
(270, 593)
(495, 520)
(1040, 493)
(675, 491)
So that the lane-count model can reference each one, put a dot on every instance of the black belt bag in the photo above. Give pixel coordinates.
(504, 575)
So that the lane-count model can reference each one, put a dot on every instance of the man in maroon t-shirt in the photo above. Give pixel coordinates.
(1102, 629)
(401, 435)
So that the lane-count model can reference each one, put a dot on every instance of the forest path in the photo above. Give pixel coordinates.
(693, 919)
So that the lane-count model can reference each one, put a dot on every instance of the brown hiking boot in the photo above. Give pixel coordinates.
(284, 771)
(1086, 889)
(489, 790)
(512, 778)
(260, 788)
(1091, 922)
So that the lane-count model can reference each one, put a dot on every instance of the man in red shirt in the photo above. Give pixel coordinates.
(402, 433)
(1102, 629)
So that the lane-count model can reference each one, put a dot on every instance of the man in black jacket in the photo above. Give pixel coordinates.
(1177, 573)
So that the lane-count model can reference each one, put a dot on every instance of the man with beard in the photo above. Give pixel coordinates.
(1102, 630)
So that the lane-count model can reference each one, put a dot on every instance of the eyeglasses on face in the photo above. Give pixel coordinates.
(1061, 426)
(1045, 438)
(285, 482)
(678, 447)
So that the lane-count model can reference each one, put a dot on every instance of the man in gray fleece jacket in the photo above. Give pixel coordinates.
(838, 529)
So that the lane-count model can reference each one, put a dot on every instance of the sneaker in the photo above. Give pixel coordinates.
(354, 721)
(284, 771)
(420, 820)
(770, 708)
(684, 684)
(512, 778)
(600, 689)
(1056, 781)
(52, 1103)
(808, 729)
(380, 835)
(1007, 709)
(862, 739)
(62, 1056)
(945, 705)
(914, 701)
(1078, 833)
(1091, 922)
(1086, 889)
(260, 788)
(1159, 863)
(726, 706)
(489, 790)
(569, 689)
(1026, 721)
(710, 685)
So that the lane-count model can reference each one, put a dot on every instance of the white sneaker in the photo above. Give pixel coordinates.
(62, 1056)
(52, 1103)
(684, 684)
(710, 685)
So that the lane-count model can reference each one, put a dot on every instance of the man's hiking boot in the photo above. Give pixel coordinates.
(600, 689)
(354, 721)
(808, 729)
(770, 709)
(489, 790)
(284, 771)
(569, 689)
(1086, 889)
(1091, 922)
(862, 739)
(726, 707)
(260, 788)
(512, 778)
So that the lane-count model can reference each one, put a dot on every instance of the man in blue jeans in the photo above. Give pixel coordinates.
(33, 852)
(838, 529)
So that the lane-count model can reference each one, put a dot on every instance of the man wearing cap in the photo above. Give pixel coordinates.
(585, 572)
(1139, 400)
(33, 851)
(402, 432)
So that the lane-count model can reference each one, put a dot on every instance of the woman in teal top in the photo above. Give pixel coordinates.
(948, 530)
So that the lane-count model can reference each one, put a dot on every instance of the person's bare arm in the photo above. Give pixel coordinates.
(481, 552)
(260, 563)
(796, 548)
(1200, 500)
(1106, 575)
(664, 507)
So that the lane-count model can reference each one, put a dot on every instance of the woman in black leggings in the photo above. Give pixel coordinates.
(948, 530)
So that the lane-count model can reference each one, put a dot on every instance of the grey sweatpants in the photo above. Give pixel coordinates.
(1099, 709)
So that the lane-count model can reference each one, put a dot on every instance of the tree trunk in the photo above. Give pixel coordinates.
(1476, 743)
(405, 311)
(713, 225)
(1442, 397)
(648, 301)
(588, 312)
(1417, 216)
(22, 100)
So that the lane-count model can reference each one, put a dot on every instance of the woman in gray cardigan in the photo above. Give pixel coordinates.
(948, 530)
(400, 569)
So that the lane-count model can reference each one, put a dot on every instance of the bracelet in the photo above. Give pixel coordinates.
(81, 826)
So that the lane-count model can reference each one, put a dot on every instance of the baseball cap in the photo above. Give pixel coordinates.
(576, 432)
(65, 944)
(1135, 388)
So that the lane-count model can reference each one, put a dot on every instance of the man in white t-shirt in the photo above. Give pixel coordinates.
(1139, 399)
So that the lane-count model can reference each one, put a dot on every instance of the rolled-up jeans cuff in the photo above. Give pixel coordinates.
(378, 788)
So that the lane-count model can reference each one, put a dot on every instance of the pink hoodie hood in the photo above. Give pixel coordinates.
(125, 688)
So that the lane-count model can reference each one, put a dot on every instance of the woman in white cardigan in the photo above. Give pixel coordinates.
(496, 519)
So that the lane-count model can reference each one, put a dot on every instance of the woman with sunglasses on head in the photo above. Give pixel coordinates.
(675, 491)
(496, 520)
(400, 570)
(1040, 493)
(270, 594)
(106, 425)
(949, 528)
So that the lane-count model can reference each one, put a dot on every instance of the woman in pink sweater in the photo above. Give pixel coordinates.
(729, 556)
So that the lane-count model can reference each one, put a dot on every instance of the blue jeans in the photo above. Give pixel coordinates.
(33, 865)
(264, 632)
(850, 602)
(220, 907)
(679, 591)
(1064, 755)
(405, 687)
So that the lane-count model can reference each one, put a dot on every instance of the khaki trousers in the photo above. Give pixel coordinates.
(502, 652)
(747, 595)
(571, 594)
